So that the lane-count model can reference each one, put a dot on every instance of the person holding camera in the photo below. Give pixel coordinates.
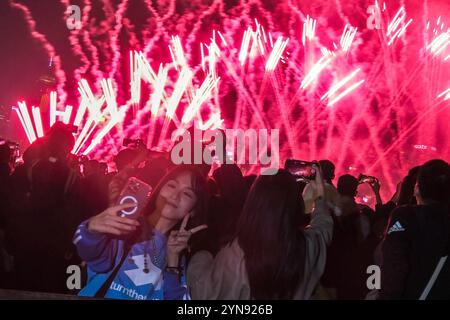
(271, 257)
(332, 195)
(351, 250)
(128, 258)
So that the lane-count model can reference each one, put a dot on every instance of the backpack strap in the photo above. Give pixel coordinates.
(433, 278)
(439, 266)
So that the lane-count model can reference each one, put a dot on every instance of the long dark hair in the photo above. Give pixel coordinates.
(270, 236)
(201, 206)
(406, 195)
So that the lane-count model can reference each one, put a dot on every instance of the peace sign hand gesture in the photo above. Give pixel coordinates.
(178, 241)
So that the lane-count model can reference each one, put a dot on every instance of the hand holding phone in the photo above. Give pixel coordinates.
(302, 170)
(109, 222)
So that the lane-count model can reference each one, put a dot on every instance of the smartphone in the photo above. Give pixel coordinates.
(367, 179)
(135, 191)
(300, 169)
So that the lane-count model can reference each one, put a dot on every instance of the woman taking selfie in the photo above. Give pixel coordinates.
(271, 256)
(126, 257)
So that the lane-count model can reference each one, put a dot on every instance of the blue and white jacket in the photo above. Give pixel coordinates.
(103, 253)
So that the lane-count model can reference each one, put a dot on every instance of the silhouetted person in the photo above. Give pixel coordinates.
(270, 258)
(331, 194)
(46, 208)
(5, 188)
(417, 238)
(225, 206)
(249, 180)
(94, 187)
(407, 188)
(349, 254)
(328, 169)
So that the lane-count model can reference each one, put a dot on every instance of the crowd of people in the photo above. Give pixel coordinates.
(216, 234)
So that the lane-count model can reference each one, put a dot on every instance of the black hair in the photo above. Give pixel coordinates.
(125, 157)
(249, 180)
(226, 206)
(328, 169)
(200, 189)
(59, 140)
(268, 232)
(347, 185)
(406, 195)
(5, 153)
(434, 181)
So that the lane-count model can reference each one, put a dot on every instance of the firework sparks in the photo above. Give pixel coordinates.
(116, 114)
(118, 117)
(276, 54)
(22, 122)
(340, 84)
(439, 44)
(223, 39)
(309, 29)
(36, 111)
(158, 92)
(110, 98)
(135, 77)
(67, 114)
(396, 21)
(326, 52)
(85, 133)
(256, 41)
(52, 108)
(28, 131)
(177, 54)
(80, 113)
(243, 53)
(203, 57)
(182, 83)
(104, 39)
(347, 37)
(214, 122)
(94, 107)
(345, 93)
(202, 94)
(93, 104)
(445, 94)
(214, 54)
(140, 70)
(397, 26)
(312, 75)
(28, 125)
(252, 43)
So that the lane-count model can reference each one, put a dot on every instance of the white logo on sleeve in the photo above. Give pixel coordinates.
(396, 228)
(140, 278)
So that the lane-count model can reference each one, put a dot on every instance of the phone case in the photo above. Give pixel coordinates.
(135, 191)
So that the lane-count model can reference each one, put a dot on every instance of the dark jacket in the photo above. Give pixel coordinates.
(416, 239)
